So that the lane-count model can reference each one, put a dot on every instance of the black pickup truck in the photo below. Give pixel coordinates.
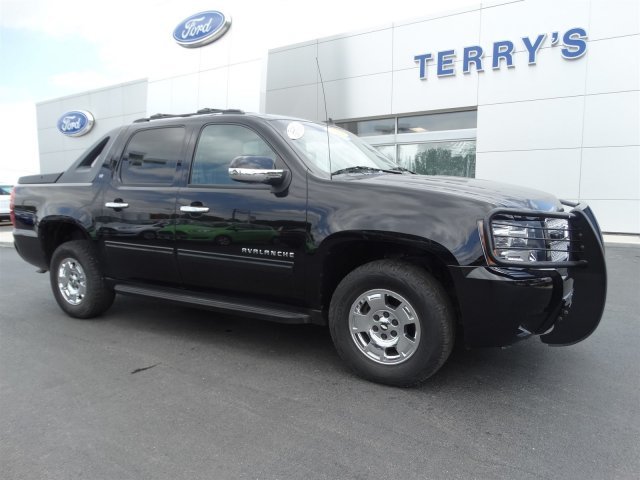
(299, 222)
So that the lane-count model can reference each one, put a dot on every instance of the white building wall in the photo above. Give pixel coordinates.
(579, 119)
(230, 72)
(570, 127)
(111, 107)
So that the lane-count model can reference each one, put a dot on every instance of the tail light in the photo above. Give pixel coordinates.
(12, 204)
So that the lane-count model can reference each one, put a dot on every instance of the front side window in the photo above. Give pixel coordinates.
(151, 156)
(217, 146)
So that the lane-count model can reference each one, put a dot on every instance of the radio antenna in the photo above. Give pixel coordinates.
(326, 115)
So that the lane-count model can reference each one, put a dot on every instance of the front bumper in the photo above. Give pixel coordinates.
(563, 302)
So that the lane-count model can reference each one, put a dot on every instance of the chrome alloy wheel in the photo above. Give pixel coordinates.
(72, 281)
(384, 326)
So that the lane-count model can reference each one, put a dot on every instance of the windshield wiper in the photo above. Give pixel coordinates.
(360, 168)
(402, 169)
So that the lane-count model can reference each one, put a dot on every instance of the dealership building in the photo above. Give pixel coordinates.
(536, 93)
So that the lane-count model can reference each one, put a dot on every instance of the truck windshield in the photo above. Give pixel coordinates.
(348, 153)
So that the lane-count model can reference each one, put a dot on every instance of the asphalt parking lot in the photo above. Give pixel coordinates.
(153, 391)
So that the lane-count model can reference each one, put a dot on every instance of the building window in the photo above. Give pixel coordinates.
(388, 151)
(368, 128)
(456, 159)
(437, 122)
(428, 144)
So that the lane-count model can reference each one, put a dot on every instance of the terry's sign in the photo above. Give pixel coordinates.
(201, 29)
(573, 45)
(76, 123)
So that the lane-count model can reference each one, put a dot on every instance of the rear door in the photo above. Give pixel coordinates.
(238, 237)
(139, 206)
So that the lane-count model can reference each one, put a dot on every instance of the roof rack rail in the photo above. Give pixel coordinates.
(202, 111)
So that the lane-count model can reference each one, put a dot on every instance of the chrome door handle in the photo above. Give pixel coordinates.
(192, 209)
(116, 205)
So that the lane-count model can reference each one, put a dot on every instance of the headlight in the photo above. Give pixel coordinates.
(515, 240)
(557, 233)
(541, 240)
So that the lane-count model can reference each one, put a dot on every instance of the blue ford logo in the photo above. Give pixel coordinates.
(76, 123)
(201, 29)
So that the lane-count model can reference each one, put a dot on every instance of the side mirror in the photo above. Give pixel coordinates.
(254, 169)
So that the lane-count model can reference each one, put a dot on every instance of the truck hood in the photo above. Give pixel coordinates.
(485, 191)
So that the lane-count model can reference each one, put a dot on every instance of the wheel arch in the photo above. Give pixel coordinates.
(341, 253)
(56, 230)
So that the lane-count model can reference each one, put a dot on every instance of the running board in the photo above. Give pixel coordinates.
(250, 308)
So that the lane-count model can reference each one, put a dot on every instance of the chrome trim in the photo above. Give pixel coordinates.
(192, 209)
(256, 175)
(116, 205)
(236, 258)
(72, 281)
(386, 332)
(139, 247)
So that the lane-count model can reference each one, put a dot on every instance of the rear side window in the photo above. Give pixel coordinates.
(93, 154)
(218, 146)
(151, 156)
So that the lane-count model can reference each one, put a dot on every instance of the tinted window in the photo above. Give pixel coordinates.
(152, 155)
(218, 146)
(94, 153)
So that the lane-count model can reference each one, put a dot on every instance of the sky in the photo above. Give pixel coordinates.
(50, 48)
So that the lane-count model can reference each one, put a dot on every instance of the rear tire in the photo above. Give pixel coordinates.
(77, 282)
(392, 323)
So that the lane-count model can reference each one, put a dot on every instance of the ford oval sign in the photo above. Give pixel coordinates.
(201, 29)
(76, 123)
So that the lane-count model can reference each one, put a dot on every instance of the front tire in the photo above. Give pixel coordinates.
(77, 282)
(392, 323)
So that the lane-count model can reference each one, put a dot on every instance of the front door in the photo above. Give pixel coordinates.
(236, 237)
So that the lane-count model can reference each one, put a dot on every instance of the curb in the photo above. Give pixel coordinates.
(6, 239)
(613, 240)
